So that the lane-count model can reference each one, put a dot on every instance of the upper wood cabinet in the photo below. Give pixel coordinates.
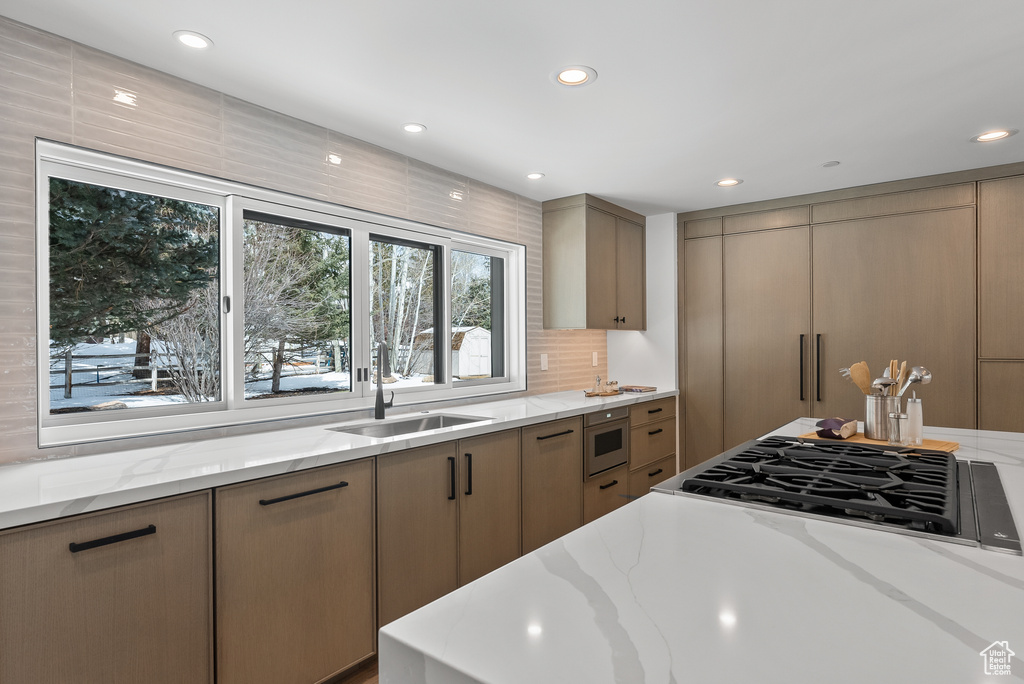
(1001, 268)
(118, 597)
(594, 275)
(295, 575)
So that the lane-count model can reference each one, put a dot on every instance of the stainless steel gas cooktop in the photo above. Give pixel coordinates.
(908, 490)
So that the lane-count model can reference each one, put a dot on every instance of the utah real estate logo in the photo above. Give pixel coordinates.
(997, 658)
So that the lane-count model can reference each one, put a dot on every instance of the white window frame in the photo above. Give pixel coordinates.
(231, 199)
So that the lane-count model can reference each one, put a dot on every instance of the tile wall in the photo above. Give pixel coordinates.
(53, 88)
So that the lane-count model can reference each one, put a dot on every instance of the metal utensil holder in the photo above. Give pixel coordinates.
(876, 415)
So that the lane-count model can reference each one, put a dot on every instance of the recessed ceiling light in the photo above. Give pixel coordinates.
(535, 176)
(728, 182)
(829, 164)
(995, 135)
(193, 39)
(574, 76)
(413, 127)
(334, 158)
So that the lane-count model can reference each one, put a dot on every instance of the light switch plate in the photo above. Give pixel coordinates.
(594, 364)
(543, 361)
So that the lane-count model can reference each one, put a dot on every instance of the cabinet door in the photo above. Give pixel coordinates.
(767, 303)
(1000, 275)
(552, 481)
(899, 287)
(630, 276)
(295, 563)
(605, 492)
(417, 509)
(602, 244)
(999, 401)
(134, 607)
(489, 518)
(702, 315)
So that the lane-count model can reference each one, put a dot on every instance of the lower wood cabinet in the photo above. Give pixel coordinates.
(642, 479)
(489, 503)
(605, 492)
(295, 575)
(447, 514)
(115, 597)
(552, 481)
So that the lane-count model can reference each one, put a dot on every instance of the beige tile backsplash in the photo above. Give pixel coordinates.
(53, 88)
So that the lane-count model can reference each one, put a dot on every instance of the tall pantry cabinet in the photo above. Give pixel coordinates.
(806, 290)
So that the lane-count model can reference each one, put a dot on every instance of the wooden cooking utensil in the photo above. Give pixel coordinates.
(902, 375)
(861, 376)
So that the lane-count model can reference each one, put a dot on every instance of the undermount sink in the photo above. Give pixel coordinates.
(407, 426)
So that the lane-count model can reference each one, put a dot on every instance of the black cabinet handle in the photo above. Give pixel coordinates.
(659, 471)
(557, 434)
(617, 319)
(451, 465)
(801, 367)
(657, 410)
(655, 432)
(469, 474)
(623, 319)
(113, 539)
(610, 484)
(271, 502)
(817, 359)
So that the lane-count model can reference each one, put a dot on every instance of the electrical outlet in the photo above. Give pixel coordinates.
(543, 361)
(594, 364)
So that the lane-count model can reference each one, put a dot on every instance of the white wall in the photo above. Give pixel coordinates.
(650, 357)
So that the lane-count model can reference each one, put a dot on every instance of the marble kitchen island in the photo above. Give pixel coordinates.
(679, 589)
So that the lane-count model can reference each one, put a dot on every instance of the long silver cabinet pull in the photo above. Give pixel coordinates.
(801, 367)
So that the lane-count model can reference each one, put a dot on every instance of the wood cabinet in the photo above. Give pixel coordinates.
(417, 535)
(605, 492)
(772, 311)
(652, 444)
(118, 597)
(897, 287)
(445, 518)
(767, 331)
(593, 265)
(703, 356)
(489, 503)
(1000, 271)
(295, 575)
(999, 396)
(552, 467)
(642, 479)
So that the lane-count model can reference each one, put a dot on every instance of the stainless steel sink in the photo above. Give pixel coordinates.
(407, 426)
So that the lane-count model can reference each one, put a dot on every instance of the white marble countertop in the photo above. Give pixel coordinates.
(678, 589)
(42, 490)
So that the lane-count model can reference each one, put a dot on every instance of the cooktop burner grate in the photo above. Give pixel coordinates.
(904, 487)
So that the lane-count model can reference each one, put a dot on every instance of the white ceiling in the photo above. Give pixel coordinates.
(688, 91)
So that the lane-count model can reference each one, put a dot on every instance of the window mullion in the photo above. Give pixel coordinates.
(359, 321)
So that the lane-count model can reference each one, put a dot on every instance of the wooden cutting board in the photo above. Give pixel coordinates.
(935, 444)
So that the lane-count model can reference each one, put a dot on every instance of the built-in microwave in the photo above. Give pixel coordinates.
(606, 436)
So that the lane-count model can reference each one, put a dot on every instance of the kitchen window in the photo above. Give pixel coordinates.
(173, 301)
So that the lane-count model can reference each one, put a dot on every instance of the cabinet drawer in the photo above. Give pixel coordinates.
(650, 411)
(642, 479)
(651, 442)
(604, 493)
(117, 597)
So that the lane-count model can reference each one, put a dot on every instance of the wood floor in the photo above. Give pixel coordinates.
(365, 674)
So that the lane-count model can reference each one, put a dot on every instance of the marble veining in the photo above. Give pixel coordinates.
(42, 490)
(685, 590)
